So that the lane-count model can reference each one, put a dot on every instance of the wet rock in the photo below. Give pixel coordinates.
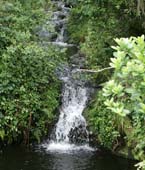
(78, 135)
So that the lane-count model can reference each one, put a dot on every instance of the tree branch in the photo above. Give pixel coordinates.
(94, 71)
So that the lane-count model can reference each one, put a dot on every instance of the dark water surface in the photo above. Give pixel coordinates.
(19, 158)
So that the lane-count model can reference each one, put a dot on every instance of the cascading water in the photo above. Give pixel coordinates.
(71, 126)
(70, 132)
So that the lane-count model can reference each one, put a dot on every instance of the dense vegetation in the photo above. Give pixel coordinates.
(126, 92)
(29, 90)
(116, 114)
(121, 104)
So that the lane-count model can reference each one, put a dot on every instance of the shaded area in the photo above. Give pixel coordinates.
(18, 158)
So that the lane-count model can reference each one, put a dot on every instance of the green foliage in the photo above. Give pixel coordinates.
(94, 25)
(128, 83)
(126, 91)
(140, 165)
(102, 122)
(29, 90)
(117, 114)
(121, 103)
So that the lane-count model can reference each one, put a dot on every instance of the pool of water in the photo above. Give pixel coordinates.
(20, 158)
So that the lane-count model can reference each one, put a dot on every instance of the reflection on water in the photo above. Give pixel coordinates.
(17, 158)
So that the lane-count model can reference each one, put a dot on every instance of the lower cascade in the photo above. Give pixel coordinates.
(71, 124)
(70, 132)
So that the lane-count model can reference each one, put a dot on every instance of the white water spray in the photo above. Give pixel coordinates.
(71, 120)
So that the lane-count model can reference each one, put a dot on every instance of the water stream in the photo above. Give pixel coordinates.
(71, 119)
(70, 132)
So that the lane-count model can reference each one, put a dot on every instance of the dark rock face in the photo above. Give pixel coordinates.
(78, 135)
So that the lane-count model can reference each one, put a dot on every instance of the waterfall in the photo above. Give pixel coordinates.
(71, 126)
(70, 132)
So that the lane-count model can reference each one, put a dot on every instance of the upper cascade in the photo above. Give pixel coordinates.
(58, 20)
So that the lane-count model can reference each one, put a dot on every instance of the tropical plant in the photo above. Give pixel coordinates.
(29, 89)
(125, 92)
